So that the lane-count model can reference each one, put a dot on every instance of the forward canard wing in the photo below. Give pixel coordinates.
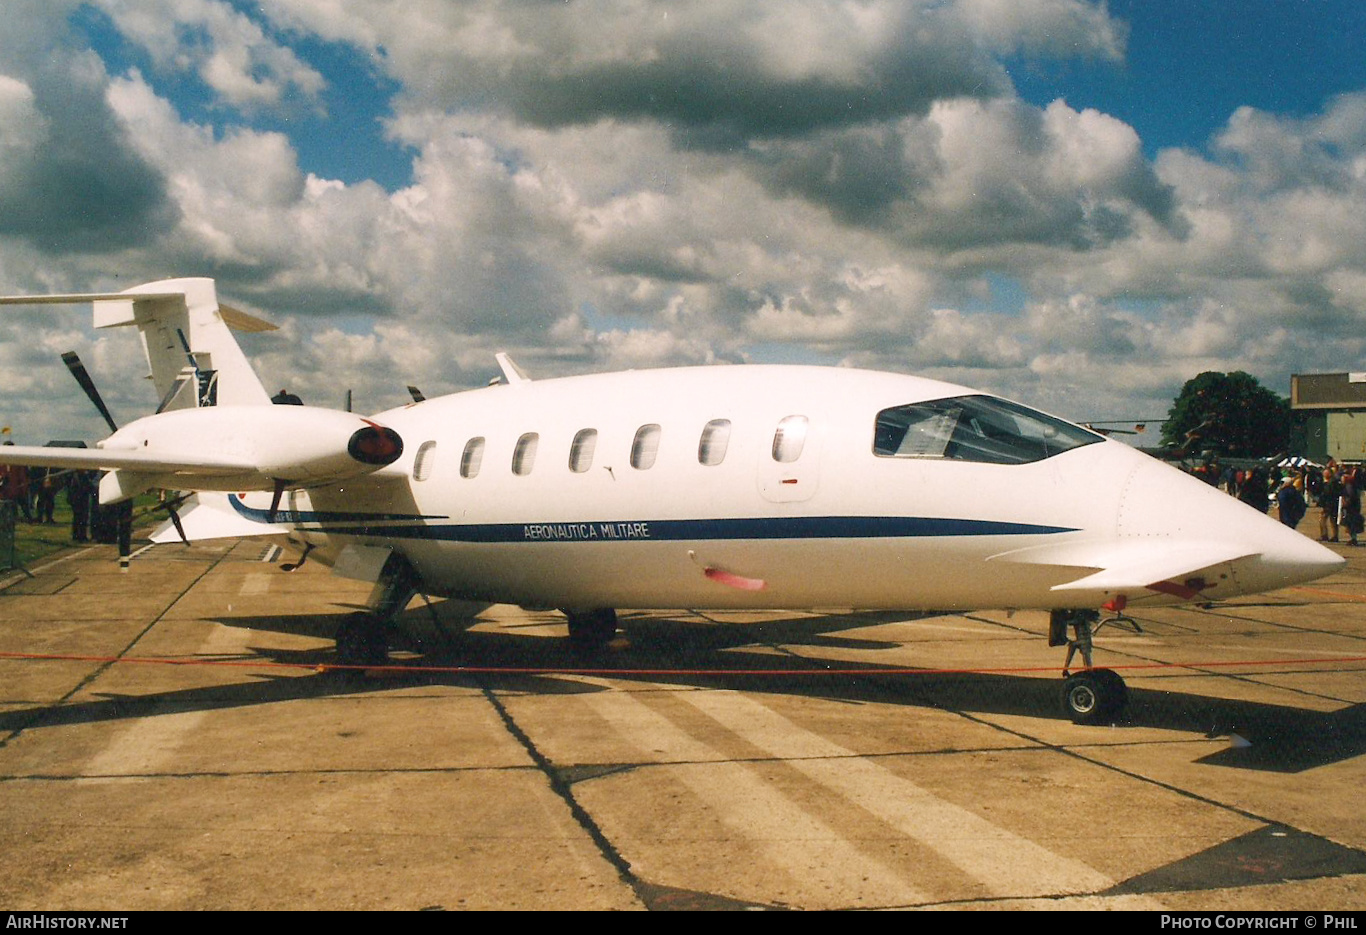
(1132, 567)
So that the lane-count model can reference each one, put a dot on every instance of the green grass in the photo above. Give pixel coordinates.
(35, 541)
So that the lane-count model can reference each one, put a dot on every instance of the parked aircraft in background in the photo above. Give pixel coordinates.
(707, 487)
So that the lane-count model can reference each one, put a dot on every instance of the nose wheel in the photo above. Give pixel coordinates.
(1091, 696)
(1095, 696)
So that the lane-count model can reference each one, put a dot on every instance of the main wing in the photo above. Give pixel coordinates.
(101, 459)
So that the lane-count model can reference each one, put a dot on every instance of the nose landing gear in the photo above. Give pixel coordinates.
(1091, 696)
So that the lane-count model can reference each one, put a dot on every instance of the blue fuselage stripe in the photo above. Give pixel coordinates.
(766, 527)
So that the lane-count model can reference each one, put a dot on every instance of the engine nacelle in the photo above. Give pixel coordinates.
(254, 447)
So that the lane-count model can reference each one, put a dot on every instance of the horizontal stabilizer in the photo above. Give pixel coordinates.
(234, 318)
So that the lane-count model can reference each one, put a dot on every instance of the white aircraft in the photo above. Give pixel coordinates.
(706, 487)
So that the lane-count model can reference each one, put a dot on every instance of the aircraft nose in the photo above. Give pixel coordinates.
(1160, 502)
(1287, 557)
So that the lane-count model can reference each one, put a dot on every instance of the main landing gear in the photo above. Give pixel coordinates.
(1092, 696)
(591, 630)
(363, 637)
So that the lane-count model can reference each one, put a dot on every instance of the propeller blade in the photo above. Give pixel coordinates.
(275, 500)
(180, 529)
(171, 511)
(73, 363)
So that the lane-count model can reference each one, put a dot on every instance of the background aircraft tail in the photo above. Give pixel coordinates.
(194, 358)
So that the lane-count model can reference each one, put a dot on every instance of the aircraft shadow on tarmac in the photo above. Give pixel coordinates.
(681, 649)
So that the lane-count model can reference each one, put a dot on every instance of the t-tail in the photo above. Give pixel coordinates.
(187, 335)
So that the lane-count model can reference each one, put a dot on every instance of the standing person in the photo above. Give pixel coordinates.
(45, 483)
(1329, 493)
(1291, 503)
(80, 493)
(14, 486)
(1253, 490)
(1351, 504)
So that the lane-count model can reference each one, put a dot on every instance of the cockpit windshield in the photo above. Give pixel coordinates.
(974, 428)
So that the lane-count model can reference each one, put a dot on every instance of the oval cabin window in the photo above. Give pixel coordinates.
(711, 450)
(789, 439)
(645, 447)
(524, 455)
(422, 464)
(472, 457)
(581, 451)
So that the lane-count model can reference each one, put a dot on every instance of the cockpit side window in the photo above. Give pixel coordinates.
(974, 428)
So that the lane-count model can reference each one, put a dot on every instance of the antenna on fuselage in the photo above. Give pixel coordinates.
(511, 372)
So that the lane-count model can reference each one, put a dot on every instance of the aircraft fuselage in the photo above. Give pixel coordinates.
(757, 486)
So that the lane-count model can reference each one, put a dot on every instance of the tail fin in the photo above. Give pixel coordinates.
(185, 331)
(194, 358)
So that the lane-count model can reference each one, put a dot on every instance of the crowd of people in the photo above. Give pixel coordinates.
(1333, 490)
(34, 491)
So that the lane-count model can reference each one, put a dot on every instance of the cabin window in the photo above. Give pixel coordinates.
(789, 440)
(524, 455)
(581, 451)
(422, 463)
(974, 428)
(645, 447)
(472, 457)
(711, 450)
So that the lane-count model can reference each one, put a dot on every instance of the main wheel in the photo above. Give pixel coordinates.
(591, 630)
(1094, 696)
(361, 641)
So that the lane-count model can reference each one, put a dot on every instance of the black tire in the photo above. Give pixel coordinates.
(1115, 690)
(591, 630)
(362, 641)
(1095, 696)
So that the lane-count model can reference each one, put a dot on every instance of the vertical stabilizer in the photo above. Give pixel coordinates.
(194, 357)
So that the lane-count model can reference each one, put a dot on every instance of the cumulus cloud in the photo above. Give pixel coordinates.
(228, 51)
(1054, 28)
(623, 183)
(716, 71)
(70, 182)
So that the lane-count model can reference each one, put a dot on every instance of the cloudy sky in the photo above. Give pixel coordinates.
(1079, 205)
